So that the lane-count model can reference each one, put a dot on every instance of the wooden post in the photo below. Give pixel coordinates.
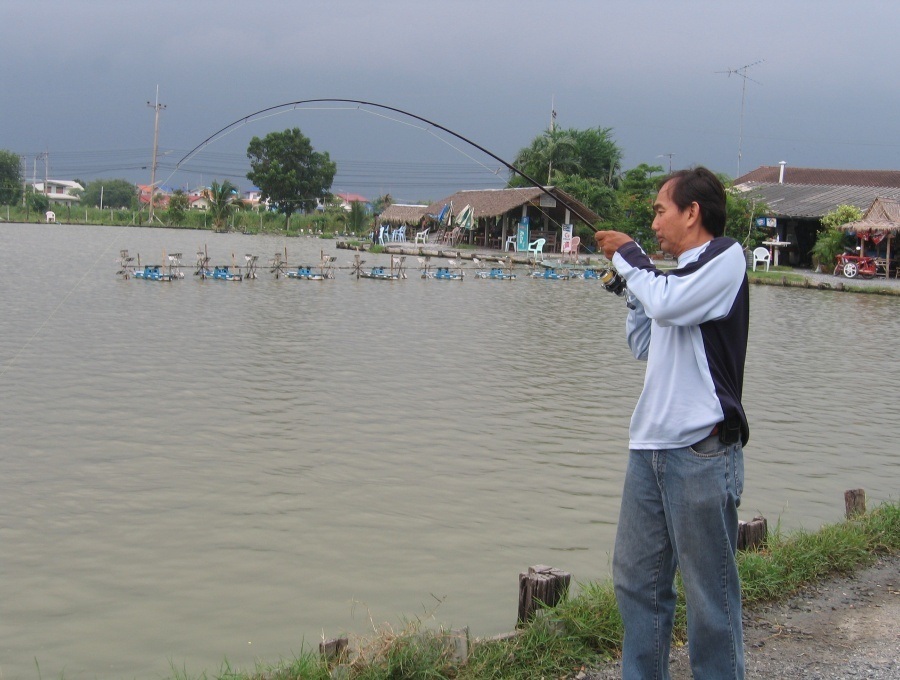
(541, 586)
(855, 502)
(752, 534)
(333, 649)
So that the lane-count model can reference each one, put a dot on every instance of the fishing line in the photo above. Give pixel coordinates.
(54, 311)
(293, 106)
(433, 134)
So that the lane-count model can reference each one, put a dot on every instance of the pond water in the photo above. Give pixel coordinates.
(201, 470)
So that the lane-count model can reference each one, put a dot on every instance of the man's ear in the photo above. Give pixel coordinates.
(694, 212)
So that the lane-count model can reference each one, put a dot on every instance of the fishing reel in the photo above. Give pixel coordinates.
(612, 281)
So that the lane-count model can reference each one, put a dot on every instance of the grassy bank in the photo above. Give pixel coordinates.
(244, 221)
(586, 627)
(785, 276)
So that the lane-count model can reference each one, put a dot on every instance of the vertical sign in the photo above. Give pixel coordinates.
(522, 235)
(566, 238)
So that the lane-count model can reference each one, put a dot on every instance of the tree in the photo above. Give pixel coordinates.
(634, 205)
(358, 217)
(740, 219)
(10, 178)
(222, 203)
(841, 215)
(589, 153)
(831, 241)
(178, 207)
(289, 172)
(380, 204)
(554, 150)
(110, 193)
(37, 201)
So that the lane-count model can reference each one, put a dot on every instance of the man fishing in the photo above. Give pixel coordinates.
(685, 470)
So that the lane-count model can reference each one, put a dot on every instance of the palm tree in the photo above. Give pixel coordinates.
(590, 153)
(222, 203)
(554, 150)
(357, 217)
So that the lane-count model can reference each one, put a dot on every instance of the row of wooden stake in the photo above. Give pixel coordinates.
(544, 586)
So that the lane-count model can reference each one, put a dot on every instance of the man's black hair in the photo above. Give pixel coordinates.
(703, 187)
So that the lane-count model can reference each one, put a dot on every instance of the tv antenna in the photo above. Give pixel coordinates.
(742, 72)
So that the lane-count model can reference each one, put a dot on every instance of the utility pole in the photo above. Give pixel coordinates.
(24, 179)
(43, 156)
(157, 107)
(669, 156)
(552, 130)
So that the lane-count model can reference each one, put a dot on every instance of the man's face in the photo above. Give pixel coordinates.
(670, 223)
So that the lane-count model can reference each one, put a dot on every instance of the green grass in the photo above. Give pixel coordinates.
(775, 275)
(586, 627)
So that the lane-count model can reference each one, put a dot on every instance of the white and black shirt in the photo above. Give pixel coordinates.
(690, 324)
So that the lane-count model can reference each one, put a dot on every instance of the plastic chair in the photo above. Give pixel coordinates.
(761, 254)
(537, 247)
(574, 245)
(510, 241)
(399, 234)
(51, 216)
(422, 236)
(382, 233)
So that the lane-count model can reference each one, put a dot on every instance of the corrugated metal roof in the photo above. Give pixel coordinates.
(769, 174)
(813, 201)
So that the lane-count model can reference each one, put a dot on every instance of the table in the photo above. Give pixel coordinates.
(776, 246)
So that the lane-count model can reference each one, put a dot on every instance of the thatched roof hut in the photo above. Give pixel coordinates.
(498, 202)
(883, 215)
(881, 220)
(399, 214)
(496, 212)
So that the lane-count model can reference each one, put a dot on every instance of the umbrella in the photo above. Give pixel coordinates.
(465, 218)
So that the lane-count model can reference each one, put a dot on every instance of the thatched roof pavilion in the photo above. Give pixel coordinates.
(497, 211)
(881, 220)
(883, 215)
(498, 202)
(398, 214)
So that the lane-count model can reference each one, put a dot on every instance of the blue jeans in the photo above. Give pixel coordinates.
(679, 509)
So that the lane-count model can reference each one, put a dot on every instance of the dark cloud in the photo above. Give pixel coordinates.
(78, 77)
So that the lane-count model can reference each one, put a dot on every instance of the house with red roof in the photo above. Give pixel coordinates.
(798, 198)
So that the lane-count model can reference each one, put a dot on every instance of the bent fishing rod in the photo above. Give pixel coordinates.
(288, 105)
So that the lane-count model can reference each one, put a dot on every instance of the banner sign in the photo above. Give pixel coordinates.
(567, 238)
(522, 235)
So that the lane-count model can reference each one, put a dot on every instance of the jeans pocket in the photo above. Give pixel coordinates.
(710, 447)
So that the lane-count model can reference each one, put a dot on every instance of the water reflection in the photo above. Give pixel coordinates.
(193, 467)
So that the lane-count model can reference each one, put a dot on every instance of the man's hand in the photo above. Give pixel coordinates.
(610, 241)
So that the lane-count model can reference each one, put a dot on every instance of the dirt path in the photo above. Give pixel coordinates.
(840, 628)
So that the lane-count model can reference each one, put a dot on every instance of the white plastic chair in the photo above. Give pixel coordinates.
(381, 234)
(510, 241)
(51, 216)
(761, 254)
(537, 247)
(399, 234)
(422, 236)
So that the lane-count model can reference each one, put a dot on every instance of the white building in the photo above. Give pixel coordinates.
(60, 191)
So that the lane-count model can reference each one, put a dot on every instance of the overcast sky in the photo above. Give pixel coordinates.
(77, 76)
